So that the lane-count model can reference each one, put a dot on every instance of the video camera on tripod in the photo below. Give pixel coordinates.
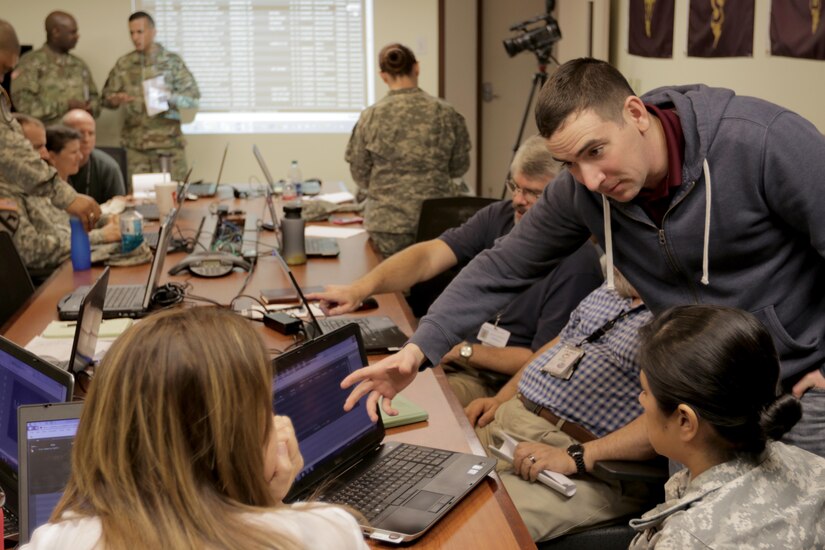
(539, 39)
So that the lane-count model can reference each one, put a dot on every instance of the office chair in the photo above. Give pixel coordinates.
(438, 215)
(617, 536)
(14, 279)
(119, 154)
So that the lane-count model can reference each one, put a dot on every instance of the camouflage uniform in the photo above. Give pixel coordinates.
(404, 149)
(43, 236)
(147, 138)
(22, 170)
(773, 501)
(45, 81)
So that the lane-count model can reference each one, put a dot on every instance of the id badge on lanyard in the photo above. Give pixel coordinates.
(493, 335)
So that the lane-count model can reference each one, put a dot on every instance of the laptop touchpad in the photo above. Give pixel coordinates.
(424, 500)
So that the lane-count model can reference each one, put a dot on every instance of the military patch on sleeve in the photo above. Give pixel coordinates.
(9, 215)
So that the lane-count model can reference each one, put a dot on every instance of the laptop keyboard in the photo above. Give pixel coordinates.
(321, 246)
(371, 338)
(11, 525)
(123, 296)
(391, 481)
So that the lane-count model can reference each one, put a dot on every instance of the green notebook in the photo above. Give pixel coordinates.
(408, 413)
(109, 328)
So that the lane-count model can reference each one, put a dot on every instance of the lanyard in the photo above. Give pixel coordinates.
(602, 330)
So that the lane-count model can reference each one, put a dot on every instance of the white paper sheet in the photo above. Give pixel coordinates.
(156, 95)
(334, 232)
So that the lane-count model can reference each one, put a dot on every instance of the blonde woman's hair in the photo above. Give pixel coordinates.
(169, 451)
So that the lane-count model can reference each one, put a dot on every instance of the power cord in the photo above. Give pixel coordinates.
(168, 295)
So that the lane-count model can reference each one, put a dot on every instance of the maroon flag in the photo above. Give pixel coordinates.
(720, 28)
(651, 28)
(798, 29)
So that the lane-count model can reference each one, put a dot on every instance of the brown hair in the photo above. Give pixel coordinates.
(169, 451)
(396, 60)
(579, 85)
(58, 136)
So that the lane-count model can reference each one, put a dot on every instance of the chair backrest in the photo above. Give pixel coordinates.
(119, 154)
(438, 215)
(14, 279)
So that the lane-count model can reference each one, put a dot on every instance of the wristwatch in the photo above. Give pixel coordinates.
(576, 452)
(465, 352)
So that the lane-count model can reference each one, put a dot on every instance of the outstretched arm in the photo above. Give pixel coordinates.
(417, 263)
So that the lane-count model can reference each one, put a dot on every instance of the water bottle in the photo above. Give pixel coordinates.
(81, 249)
(292, 228)
(296, 178)
(131, 230)
(289, 193)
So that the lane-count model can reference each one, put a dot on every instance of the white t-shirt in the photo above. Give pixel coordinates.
(316, 527)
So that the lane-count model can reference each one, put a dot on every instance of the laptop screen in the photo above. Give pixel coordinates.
(49, 457)
(88, 324)
(307, 389)
(23, 382)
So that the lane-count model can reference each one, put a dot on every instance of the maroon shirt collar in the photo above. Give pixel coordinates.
(655, 201)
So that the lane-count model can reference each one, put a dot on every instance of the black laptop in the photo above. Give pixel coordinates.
(46, 437)
(25, 379)
(125, 300)
(401, 489)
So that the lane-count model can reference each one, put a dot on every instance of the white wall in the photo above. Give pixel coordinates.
(793, 83)
(104, 37)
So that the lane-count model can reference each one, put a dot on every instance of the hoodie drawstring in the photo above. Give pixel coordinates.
(608, 243)
(705, 269)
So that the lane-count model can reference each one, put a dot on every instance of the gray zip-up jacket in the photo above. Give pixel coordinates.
(745, 229)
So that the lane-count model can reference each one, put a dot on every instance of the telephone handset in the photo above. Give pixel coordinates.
(211, 264)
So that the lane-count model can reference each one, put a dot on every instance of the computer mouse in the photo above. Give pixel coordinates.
(368, 303)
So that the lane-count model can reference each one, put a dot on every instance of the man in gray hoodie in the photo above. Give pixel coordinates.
(698, 195)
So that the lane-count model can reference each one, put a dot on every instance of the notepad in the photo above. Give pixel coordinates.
(109, 328)
(408, 413)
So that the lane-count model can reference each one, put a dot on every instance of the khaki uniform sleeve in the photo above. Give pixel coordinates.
(358, 156)
(114, 84)
(185, 92)
(22, 168)
(38, 248)
(460, 158)
(29, 96)
(94, 95)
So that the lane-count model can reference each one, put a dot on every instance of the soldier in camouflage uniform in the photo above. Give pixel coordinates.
(21, 168)
(404, 149)
(709, 379)
(148, 138)
(50, 81)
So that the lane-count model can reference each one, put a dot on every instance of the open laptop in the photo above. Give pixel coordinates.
(46, 436)
(314, 247)
(125, 300)
(25, 379)
(401, 489)
(210, 189)
(379, 333)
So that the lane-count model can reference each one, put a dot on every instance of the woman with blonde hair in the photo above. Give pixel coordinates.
(178, 448)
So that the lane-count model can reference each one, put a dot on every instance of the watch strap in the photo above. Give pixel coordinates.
(576, 452)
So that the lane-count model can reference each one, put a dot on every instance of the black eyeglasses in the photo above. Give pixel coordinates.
(528, 194)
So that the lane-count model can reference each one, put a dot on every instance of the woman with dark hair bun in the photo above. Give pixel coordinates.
(404, 149)
(709, 390)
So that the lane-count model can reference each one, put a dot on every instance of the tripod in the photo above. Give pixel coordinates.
(539, 78)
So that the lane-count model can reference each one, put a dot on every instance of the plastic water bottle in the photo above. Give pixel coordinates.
(296, 178)
(131, 230)
(289, 193)
(81, 249)
(292, 228)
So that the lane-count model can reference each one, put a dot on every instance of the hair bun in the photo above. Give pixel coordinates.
(780, 416)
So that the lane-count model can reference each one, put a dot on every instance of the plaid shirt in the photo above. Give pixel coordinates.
(602, 395)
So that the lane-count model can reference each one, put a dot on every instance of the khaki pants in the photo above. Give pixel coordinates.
(390, 243)
(148, 161)
(547, 513)
(468, 384)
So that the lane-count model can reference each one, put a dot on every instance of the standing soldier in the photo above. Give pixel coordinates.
(50, 82)
(151, 131)
(21, 168)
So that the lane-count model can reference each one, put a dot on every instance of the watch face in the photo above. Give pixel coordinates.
(466, 351)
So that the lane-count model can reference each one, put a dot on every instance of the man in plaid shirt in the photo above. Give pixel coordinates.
(546, 406)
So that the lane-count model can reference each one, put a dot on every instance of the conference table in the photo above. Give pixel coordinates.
(486, 518)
